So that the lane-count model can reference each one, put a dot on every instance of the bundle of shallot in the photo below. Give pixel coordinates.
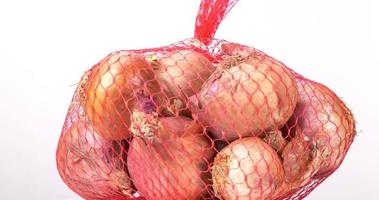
(202, 118)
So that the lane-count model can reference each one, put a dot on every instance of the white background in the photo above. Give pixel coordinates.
(45, 46)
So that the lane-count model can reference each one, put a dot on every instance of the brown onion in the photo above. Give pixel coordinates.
(92, 166)
(181, 74)
(301, 161)
(296, 157)
(325, 119)
(247, 169)
(169, 157)
(112, 91)
(321, 129)
(246, 97)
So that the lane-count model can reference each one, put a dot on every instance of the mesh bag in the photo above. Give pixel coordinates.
(202, 118)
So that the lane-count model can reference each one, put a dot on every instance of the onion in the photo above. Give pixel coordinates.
(169, 157)
(301, 161)
(296, 157)
(92, 166)
(322, 128)
(181, 74)
(112, 91)
(324, 118)
(246, 97)
(248, 168)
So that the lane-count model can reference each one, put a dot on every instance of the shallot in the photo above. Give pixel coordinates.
(92, 166)
(247, 169)
(115, 86)
(246, 96)
(169, 157)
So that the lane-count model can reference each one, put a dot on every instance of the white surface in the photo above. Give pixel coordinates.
(46, 45)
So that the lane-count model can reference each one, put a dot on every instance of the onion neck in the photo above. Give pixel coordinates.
(275, 140)
(144, 125)
(120, 180)
(314, 165)
(231, 61)
(83, 85)
(220, 173)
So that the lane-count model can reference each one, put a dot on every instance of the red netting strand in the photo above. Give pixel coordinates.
(210, 15)
(201, 119)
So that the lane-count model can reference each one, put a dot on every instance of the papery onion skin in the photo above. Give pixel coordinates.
(169, 157)
(301, 161)
(112, 92)
(297, 154)
(275, 140)
(325, 119)
(320, 131)
(246, 97)
(90, 165)
(181, 74)
(235, 49)
(247, 169)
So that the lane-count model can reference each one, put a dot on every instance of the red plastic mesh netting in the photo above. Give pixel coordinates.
(201, 119)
